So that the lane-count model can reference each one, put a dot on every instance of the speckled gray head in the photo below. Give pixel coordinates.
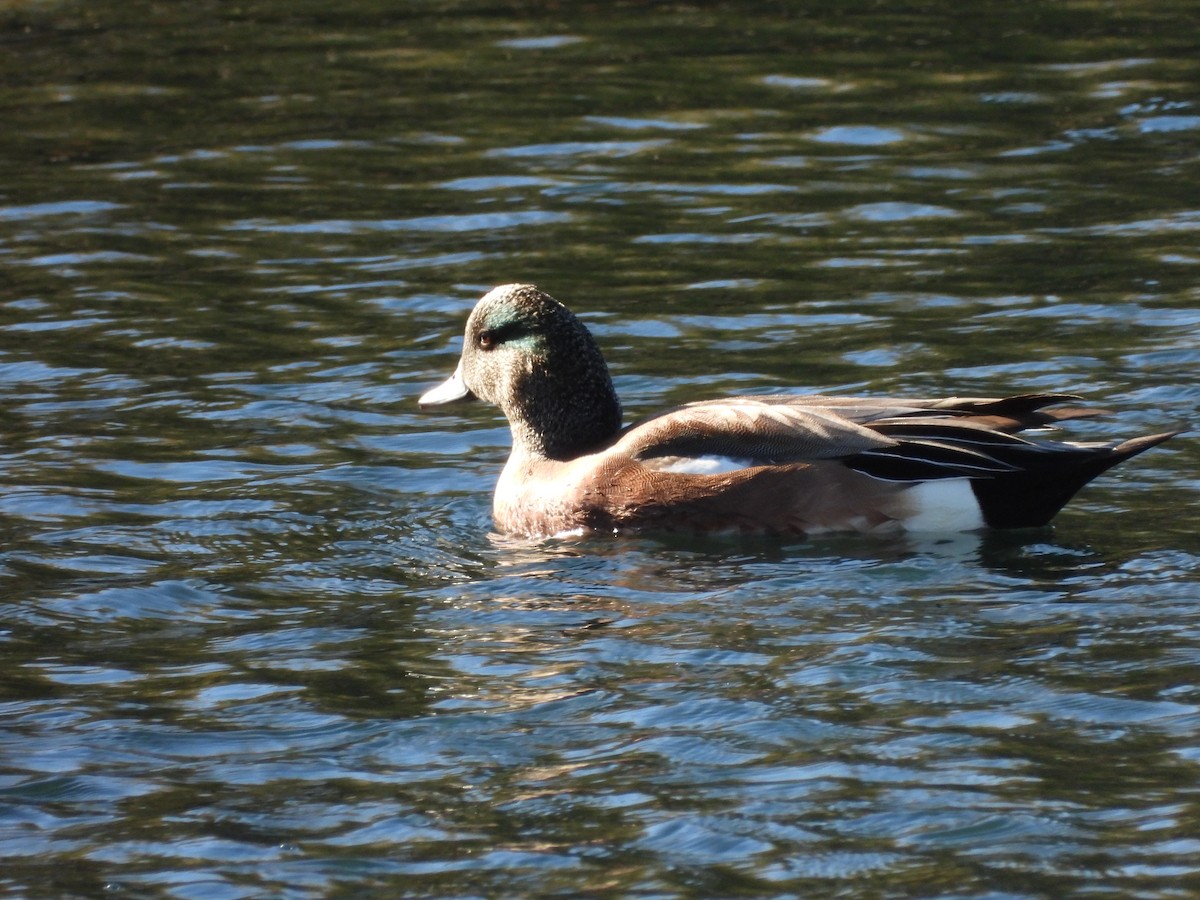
(528, 354)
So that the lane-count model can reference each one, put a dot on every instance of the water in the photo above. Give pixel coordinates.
(258, 638)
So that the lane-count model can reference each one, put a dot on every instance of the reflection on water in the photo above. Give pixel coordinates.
(259, 638)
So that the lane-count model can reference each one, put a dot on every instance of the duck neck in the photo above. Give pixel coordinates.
(562, 421)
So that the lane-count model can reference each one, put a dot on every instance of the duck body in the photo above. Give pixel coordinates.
(784, 464)
(611, 492)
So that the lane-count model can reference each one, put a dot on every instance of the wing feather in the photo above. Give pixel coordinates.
(889, 439)
(748, 428)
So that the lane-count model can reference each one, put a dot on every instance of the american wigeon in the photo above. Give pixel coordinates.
(778, 463)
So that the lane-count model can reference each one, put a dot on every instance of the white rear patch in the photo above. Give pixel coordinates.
(698, 465)
(947, 504)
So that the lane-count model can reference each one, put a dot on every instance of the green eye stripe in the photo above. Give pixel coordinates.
(506, 331)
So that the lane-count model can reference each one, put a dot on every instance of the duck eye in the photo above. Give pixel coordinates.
(487, 340)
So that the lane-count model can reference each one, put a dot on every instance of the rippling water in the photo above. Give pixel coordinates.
(258, 638)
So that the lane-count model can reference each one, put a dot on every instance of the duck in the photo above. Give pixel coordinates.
(764, 464)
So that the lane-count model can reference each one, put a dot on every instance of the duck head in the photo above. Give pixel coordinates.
(529, 355)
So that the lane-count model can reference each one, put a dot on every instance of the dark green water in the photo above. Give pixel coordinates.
(257, 637)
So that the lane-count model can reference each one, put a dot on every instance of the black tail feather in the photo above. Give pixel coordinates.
(1032, 497)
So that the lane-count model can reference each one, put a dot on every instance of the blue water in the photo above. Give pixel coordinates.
(259, 639)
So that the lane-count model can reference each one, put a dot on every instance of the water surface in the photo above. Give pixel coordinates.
(258, 637)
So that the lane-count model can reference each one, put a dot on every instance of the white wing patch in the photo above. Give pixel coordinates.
(698, 465)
